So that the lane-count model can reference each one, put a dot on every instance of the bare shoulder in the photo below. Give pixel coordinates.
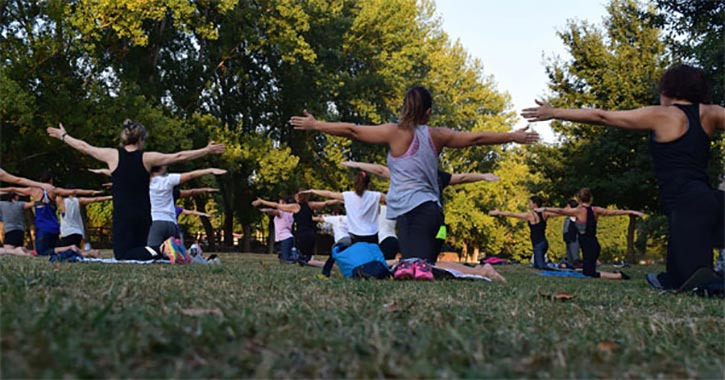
(712, 117)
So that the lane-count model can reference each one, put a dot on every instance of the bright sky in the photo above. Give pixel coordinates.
(512, 37)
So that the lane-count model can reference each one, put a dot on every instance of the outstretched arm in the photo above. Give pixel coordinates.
(106, 155)
(378, 134)
(199, 191)
(270, 211)
(459, 179)
(445, 137)
(85, 201)
(379, 170)
(27, 191)
(326, 194)
(196, 213)
(646, 118)
(291, 207)
(20, 181)
(185, 177)
(151, 159)
(558, 211)
(605, 212)
(76, 192)
(106, 172)
(320, 205)
(518, 215)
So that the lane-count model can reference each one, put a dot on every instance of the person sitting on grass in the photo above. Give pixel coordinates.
(12, 214)
(362, 207)
(571, 237)
(390, 245)
(71, 221)
(586, 221)
(302, 211)
(283, 223)
(537, 228)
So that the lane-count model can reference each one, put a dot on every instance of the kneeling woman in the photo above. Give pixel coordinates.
(586, 222)
(362, 207)
(537, 226)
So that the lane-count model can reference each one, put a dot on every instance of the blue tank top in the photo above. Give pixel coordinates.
(681, 165)
(46, 219)
(413, 176)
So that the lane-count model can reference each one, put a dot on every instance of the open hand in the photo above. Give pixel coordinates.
(543, 112)
(216, 171)
(490, 177)
(56, 132)
(524, 136)
(637, 214)
(215, 148)
(494, 213)
(257, 202)
(304, 123)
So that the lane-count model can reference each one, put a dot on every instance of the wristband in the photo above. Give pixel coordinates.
(62, 137)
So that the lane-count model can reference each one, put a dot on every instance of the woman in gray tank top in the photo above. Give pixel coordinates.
(413, 162)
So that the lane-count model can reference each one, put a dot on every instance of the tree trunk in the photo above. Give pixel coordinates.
(270, 238)
(227, 200)
(208, 228)
(247, 239)
(631, 254)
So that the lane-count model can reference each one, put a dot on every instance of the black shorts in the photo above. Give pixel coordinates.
(14, 238)
(72, 239)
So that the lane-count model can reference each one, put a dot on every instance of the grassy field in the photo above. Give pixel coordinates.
(253, 317)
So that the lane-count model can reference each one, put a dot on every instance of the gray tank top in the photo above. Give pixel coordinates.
(12, 215)
(413, 176)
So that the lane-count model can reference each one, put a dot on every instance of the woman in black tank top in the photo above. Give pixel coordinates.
(537, 228)
(681, 129)
(586, 222)
(303, 211)
(129, 166)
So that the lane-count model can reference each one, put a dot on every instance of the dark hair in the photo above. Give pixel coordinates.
(416, 103)
(176, 193)
(46, 176)
(302, 197)
(8, 197)
(132, 133)
(572, 203)
(585, 195)
(538, 201)
(362, 181)
(687, 83)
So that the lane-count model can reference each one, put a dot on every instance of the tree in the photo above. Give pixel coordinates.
(614, 68)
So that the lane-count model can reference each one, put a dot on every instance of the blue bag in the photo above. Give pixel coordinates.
(357, 255)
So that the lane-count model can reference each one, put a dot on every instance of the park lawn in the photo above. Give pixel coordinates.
(254, 317)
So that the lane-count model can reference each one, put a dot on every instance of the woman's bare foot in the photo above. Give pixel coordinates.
(488, 271)
(93, 253)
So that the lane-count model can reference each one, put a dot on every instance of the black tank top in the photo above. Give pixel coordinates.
(303, 219)
(538, 230)
(130, 188)
(681, 165)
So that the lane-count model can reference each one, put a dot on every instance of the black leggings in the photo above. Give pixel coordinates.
(390, 247)
(590, 251)
(305, 242)
(373, 239)
(695, 225)
(417, 231)
(129, 238)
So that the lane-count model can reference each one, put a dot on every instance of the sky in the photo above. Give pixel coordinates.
(513, 37)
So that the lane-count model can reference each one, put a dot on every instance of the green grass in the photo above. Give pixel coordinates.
(253, 317)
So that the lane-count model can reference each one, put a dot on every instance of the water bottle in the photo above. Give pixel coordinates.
(87, 247)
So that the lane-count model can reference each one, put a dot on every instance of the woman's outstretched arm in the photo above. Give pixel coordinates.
(325, 194)
(559, 211)
(646, 118)
(518, 215)
(151, 159)
(372, 134)
(446, 137)
(188, 176)
(459, 179)
(291, 207)
(7, 177)
(107, 155)
(381, 171)
(606, 212)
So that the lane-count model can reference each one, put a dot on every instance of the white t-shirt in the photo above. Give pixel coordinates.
(339, 226)
(70, 221)
(386, 227)
(362, 212)
(161, 192)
